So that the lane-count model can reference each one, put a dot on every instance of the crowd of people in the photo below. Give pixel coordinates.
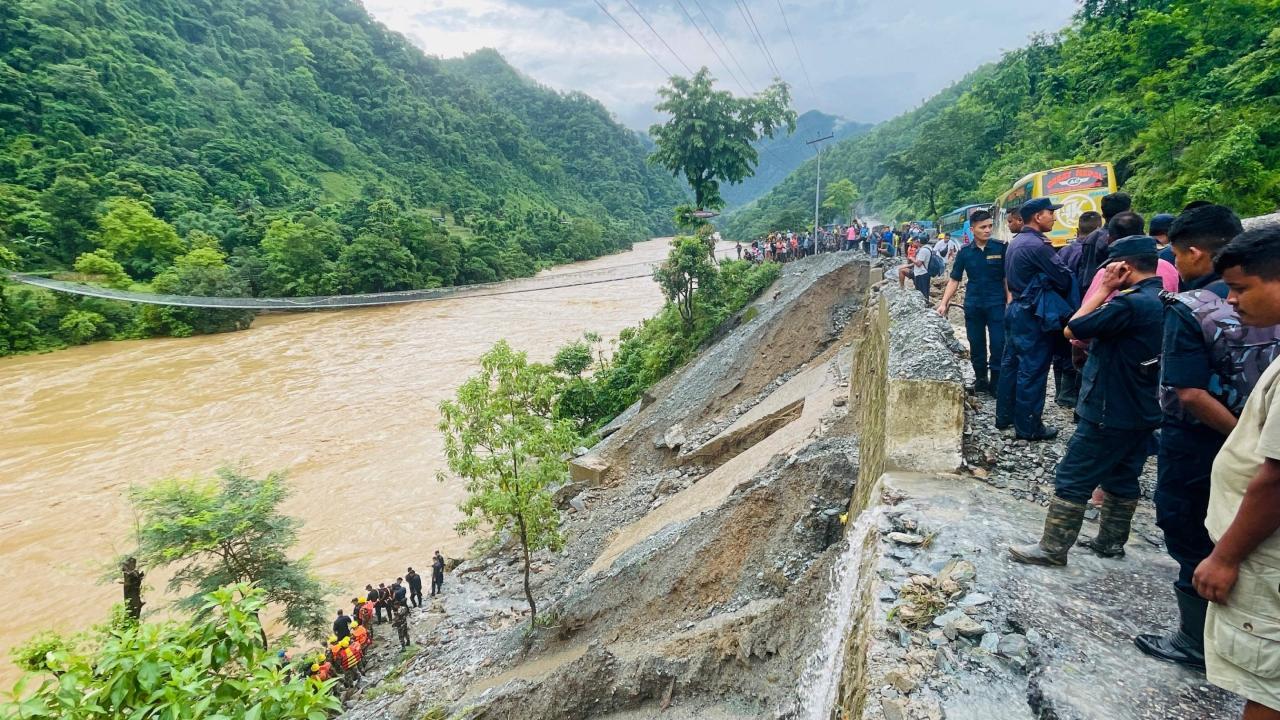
(788, 245)
(342, 657)
(1161, 336)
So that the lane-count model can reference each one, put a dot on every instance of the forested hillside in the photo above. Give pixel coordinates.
(607, 161)
(782, 154)
(283, 148)
(1182, 95)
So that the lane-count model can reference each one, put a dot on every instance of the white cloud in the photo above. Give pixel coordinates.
(868, 59)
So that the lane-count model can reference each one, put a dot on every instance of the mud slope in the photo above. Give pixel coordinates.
(697, 566)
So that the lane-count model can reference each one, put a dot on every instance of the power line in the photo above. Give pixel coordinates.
(655, 60)
(710, 46)
(745, 12)
(796, 47)
(727, 49)
(660, 38)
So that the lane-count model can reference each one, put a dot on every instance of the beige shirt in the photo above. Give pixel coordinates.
(1256, 438)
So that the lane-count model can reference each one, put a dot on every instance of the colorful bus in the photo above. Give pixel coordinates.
(1077, 188)
(956, 222)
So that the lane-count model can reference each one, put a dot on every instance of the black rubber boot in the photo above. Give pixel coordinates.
(1061, 528)
(1067, 387)
(995, 381)
(1186, 645)
(1114, 523)
(980, 384)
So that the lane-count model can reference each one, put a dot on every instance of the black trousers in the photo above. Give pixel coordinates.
(981, 322)
(1102, 457)
(1184, 462)
(437, 582)
(415, 596)
(922, 284)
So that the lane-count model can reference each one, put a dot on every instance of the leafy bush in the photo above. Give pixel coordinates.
(213, 665)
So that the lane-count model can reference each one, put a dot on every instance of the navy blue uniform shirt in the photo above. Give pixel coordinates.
(986, 273)
(1121, 379)
(1186, 362)
(1030, 254)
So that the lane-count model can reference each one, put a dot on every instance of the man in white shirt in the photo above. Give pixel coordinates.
(1241, 577)
(920, 268)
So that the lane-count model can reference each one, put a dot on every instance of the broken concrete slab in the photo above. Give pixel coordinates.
(589, 470)
(1060, 640)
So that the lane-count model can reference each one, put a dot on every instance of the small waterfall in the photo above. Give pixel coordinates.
(820, 680)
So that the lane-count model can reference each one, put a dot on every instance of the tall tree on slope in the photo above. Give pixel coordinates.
(709, 137)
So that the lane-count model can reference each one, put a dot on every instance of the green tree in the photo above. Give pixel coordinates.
(82, 326)
(228, 530)
(301, 258)
(213, 666)
(99, 264)
(709, 138)
(501, 438)
(687, 269)
(143, 243)
(203, 272)
(841, 195)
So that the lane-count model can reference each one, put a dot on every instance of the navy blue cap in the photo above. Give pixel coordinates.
(1031, 207)
(1161, 224)
(1132, 246)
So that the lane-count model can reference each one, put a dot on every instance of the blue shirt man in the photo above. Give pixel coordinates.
(984, 299)
(1030, 263)
(1118, 409)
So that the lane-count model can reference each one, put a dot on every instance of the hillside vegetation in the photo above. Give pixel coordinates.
(1182, 95)
(782, 154)
(277, 148)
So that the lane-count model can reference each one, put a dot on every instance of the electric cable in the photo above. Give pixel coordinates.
(655, 60)
(757, 37)
(795, 46)
(660, 38)
(727, 49)
(710, 46)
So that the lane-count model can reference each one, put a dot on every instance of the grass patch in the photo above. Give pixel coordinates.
(383, 689)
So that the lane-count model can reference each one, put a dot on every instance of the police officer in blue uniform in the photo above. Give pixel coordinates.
(984, 299)
(1205, 379)
(1032, 268)
(1118, 408)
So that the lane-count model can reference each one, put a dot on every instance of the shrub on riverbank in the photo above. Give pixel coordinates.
(649, 351)
(213, 664)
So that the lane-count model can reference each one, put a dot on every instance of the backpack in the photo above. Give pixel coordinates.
(936, 264)
(1238, 354)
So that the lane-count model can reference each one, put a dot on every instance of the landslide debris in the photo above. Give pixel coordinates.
(696, 572)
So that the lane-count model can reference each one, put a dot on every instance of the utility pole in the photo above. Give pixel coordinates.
(817, 185)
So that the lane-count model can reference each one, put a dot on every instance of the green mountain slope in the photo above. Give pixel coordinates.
(604, 159)
(782, 154)
(274, 147)
(1182, 95)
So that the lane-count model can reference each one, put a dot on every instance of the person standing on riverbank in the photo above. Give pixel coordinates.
(437, 574)
(415, 587)
(985, 298)
(1241, 577)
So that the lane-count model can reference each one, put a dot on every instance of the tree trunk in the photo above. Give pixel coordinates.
(132, 580)
(528, 594)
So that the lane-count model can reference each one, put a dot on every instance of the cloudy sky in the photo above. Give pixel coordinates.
(867, 60)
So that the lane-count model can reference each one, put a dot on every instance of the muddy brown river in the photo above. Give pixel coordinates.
(346, 402)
